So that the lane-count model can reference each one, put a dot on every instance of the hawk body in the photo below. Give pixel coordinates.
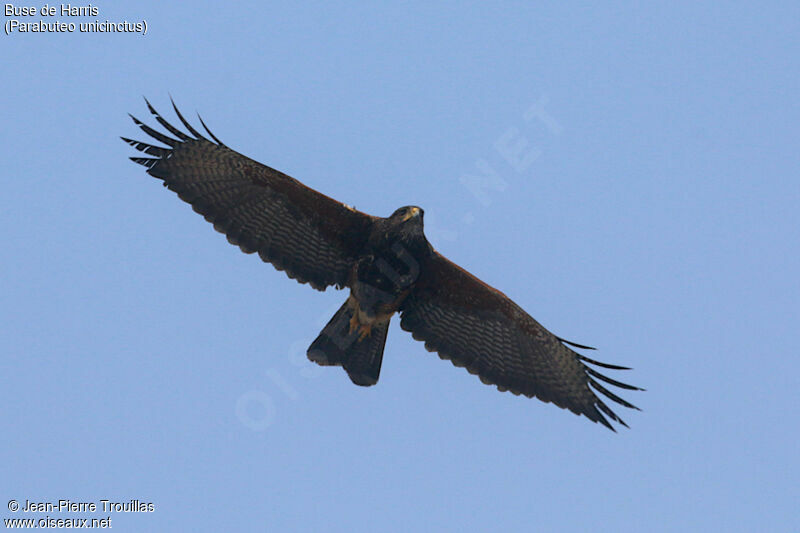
(389, 267)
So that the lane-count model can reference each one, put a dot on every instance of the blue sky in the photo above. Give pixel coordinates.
(650, 209)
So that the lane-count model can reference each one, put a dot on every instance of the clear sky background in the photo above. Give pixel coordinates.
(651, 210)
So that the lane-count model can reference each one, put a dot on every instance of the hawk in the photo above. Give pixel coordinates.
(389, 267)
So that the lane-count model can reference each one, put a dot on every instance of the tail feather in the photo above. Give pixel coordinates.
(337, 345)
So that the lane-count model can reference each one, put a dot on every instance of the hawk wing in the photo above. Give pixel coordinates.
(312, 237)
(480, 328)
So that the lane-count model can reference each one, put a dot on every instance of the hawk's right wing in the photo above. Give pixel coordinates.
(480, 328)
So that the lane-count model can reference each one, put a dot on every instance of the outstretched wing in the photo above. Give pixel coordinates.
(480, 328)
(309, 235)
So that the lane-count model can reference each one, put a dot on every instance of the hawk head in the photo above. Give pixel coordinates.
(406, 214)
(404, 226)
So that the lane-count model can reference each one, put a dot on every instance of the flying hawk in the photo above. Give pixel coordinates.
(389, 267)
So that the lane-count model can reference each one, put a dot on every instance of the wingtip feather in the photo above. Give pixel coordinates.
(209, 131)
(185, 122)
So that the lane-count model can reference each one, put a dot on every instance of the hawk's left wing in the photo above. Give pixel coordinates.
(480, 328)
(314, 238)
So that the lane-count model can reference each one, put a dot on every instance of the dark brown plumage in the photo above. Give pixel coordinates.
(388, 265)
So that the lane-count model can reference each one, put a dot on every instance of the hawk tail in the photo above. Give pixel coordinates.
(337, 345)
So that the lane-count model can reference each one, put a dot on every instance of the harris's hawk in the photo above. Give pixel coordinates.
(389, 267)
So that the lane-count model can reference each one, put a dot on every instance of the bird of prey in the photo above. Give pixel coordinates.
(389, 267)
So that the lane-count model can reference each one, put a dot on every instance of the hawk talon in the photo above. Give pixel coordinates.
(364, 330)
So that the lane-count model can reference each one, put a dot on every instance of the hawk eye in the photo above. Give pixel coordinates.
(402, 211)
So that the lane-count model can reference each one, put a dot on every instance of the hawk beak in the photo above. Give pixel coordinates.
(413, 212)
